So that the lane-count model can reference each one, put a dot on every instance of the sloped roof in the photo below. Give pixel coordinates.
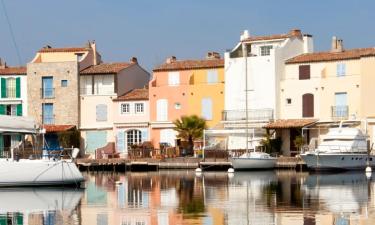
(190, 64)
(68, 49)
(106, 68)
(290, 123)
(58, 128)
(13, 71)
(291, 33)
(135, 94)
(332, 56)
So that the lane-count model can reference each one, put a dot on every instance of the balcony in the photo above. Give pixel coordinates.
(48, 119)
(253, 114)
(340, 112)
(47, 92)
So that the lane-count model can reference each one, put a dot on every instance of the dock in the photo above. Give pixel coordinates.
(149, 164)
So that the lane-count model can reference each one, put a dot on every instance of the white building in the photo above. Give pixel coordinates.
(264, 62)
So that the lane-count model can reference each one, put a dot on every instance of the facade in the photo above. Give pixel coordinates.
(99, 86)
(185, 87)
(131, 119)
(325, 88)
(13, 100)
(261, 67)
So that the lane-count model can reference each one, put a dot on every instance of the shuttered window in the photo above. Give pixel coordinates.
(341, 69)
(207, 108)
(94, 140)
(173, 78)
(101, 112)
(308, 105)
(162, 110)
(212, 77)
(120, 141)
(304, 72)
(3, 88)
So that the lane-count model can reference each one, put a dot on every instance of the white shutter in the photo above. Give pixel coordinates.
(212, 77)
(173, 78)
(162, 110)
(101, 112)
(207, 108)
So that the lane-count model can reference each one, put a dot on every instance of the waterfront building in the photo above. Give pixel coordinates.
(185, 87)
(259, 60)
(320, 89)
(13, 99)
(100, 85)
(131, 119)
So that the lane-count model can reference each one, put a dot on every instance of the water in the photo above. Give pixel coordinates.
(181, 197)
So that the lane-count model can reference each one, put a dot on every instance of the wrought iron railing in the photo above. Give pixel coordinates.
(253, 114)
(47, 93)
(340, 112)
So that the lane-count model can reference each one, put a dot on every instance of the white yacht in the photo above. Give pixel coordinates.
(33, 171)
(342, 148)
(253, 160)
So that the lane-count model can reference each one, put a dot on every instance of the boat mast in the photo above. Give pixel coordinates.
(244, 54)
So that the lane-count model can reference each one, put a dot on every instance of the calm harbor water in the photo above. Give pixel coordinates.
(181, 197)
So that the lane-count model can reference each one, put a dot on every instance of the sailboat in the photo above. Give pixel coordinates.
(251, 160)
(36, 170)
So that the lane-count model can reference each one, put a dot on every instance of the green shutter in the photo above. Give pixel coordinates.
(18, 87)
(2, 109)
(19, 110)
(1, 147)
(3, 88)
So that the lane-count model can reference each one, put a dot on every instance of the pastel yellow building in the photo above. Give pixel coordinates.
(324, 88)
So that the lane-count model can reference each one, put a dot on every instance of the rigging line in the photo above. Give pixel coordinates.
(11, 33)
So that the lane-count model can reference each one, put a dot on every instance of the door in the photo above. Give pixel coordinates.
(94, 140)
(308, 105)
(48, 117)
(341, 105)
(47, 85)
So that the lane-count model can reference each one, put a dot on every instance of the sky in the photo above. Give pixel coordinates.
(153, 30)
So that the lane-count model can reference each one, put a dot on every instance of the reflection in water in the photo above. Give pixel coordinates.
(181, 197)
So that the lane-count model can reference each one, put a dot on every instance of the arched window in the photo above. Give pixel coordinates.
(308, 105)
(133, 137)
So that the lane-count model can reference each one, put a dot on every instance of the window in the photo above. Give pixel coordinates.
(265, 50)
(207, 108)
(104, 85)
(86, 85)
(341, 69)
(47, 111)
(125, 108)
(133, 137)
(341, 106)
(101, 112)
(173, 78)
(64, 83)
(11, 87)
(139, 108)
(47, 87)
(304, 72)
(162, 110)
(308, 105)
(177, 105)
(212, 77)
(288, 101)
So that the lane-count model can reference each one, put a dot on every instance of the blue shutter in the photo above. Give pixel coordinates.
(94, 140)
(120, 141)
(207, 108)
(341, 69)
(144, 134)
(101, 112)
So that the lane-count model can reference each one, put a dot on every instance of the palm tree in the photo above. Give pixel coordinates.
(190, 128)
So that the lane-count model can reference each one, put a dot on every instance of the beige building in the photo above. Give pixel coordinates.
(320, 89)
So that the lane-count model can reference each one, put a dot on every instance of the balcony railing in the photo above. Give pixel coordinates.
(47, 119)
(340, 112)
(253, 114)
(97, 91)
(47, 92)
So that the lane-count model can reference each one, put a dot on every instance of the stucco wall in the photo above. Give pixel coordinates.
(88, 111)
(131, 117)
(131, 78)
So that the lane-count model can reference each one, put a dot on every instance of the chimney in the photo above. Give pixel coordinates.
(213, 55)
(337, 45)
(245, 35)
(295, 33)
(308, 45)
(134, 60)
(96, 59)
(3, 65)
(171, 59)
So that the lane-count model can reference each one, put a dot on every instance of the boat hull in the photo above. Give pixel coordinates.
(38, 173)
(343, 161)
(253, 163)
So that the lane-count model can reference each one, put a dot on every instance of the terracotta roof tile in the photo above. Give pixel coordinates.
(135, 94)
(69, 49)
(292, 33)
(332, 56)
(106, 68)
(190, 64)
(58, 128)
(13, 71)
(289, 123)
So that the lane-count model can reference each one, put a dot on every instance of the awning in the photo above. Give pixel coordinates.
(290, 123)
(17, 124)
(58, 128)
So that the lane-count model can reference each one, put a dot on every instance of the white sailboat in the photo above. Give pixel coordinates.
(251, 160)
(33, 172)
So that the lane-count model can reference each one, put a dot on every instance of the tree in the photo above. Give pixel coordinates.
(190, 128)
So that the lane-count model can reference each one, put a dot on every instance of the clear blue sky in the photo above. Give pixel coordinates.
(155, 29)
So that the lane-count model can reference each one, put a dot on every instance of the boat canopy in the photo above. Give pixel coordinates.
(17, 124)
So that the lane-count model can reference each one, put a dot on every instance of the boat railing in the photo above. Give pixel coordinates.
(30, 153)
(336, 149)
